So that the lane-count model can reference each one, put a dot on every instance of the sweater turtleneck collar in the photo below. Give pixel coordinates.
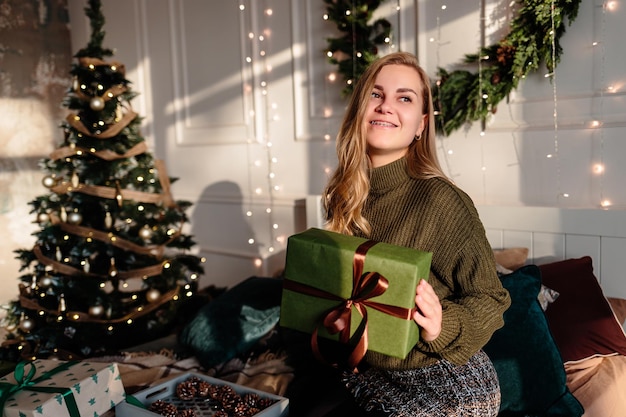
(388, 176)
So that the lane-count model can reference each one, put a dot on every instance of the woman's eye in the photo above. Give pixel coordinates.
(406, 99)
(375, 94)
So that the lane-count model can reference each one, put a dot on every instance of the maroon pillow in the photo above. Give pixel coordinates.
(581, 319)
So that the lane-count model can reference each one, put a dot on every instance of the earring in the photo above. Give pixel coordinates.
(417, 137)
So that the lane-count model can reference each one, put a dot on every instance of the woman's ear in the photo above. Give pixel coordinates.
(420, 128)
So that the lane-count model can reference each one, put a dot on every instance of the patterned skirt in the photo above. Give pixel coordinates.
(439, 390)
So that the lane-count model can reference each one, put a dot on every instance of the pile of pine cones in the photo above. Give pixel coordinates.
(228, 402)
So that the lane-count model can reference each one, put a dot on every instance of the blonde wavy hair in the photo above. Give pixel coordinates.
(348, 187)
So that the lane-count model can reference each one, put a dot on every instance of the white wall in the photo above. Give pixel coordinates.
(219, 120)
(510, 164)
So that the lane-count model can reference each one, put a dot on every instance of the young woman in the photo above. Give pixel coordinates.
(389, 187)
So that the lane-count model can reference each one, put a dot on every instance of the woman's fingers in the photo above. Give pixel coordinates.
(428, 314)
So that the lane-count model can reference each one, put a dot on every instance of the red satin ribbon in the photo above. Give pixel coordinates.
(338, 319)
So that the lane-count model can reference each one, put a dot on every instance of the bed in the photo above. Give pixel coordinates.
(562, 351)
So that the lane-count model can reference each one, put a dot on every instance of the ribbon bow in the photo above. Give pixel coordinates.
(337, 320)
(25, 381)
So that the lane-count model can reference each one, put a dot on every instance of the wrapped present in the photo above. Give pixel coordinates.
(57, 388)
(357, 291)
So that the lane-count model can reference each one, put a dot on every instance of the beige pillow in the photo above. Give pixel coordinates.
(511, 258)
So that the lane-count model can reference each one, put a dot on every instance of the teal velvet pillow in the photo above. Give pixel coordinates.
(234, 321)
(527, 361)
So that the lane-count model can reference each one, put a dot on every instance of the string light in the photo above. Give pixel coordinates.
(438, 42)
(481, 96)
(259, 48)
(552, 75)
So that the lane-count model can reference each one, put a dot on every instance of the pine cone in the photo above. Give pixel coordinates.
(241, 409)
(186, 390)
(226, 391)
(202, 389)
(213, 392)
(195, 380)
(251, 398)
(186, 412)
(265, 402)
(230, 403)
(221, 413)
(163, 408)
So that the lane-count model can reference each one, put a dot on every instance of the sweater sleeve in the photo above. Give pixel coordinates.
(464, 276)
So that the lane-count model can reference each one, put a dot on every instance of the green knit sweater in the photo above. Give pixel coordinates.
(435, 216)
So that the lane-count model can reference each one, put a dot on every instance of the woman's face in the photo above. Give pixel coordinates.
(394, 114)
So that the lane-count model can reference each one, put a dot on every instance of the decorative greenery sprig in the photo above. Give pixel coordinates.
(463, 96)
(94, 48)
(358, 44)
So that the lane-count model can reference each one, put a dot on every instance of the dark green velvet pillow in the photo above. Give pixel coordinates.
(527, 361)
(234, 321)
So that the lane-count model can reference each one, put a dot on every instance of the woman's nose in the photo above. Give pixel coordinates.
(383, 107)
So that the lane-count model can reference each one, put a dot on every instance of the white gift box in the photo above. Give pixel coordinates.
(56, 388)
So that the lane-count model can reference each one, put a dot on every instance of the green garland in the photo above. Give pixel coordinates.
(358, 44)
(457, 94)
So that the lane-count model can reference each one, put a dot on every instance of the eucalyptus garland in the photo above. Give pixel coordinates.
(463, 96)
(357, 46)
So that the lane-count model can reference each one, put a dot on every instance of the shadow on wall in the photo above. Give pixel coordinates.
(223, 234)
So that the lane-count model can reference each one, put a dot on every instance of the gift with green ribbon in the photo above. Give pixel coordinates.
(57, 388)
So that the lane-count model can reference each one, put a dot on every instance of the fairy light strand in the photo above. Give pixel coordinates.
(445, 152)
(264, 39)
(481, 97)
(481, 34)
(270, 175)
(555, 115)
(601, 168)
(249, 150)
(261, 69)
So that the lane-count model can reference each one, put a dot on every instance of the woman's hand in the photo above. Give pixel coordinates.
(428, 312)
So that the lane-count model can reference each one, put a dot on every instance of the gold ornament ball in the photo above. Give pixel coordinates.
(26, 325)
(153, 295)
(74, 218)
(48, 181)
(96, 103)
(43, 218)
(145, 233)
(96, 311)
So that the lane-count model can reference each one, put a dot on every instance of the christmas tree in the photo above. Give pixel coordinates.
(111, 266)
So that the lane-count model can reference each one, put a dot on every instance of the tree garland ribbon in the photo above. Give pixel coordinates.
(64, 269)
(111, 193)
(111, 93)
(105, 154)
(112, 131)
(87, 232)
(79, 316)
(96, 62)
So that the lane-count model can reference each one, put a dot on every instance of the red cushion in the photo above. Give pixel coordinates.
(581, 319)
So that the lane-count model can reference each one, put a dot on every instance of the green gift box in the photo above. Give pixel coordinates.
(56, 388)
(319, 285)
